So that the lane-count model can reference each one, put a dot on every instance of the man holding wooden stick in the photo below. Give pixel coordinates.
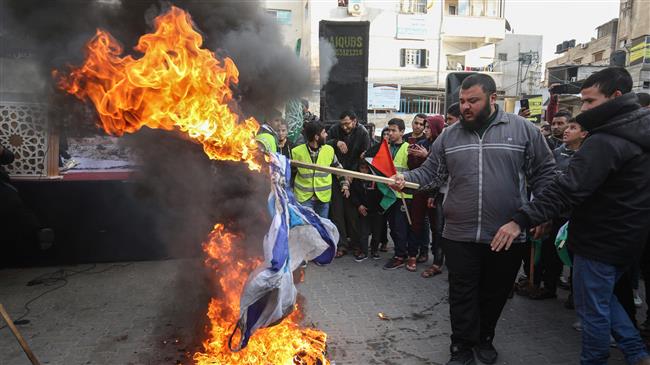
(396, 204)
(488, 159)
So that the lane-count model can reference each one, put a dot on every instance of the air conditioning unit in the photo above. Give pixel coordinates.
(355, 7)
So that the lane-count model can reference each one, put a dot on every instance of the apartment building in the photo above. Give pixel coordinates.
(412, 43)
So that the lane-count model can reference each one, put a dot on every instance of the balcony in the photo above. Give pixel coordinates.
(458, 28)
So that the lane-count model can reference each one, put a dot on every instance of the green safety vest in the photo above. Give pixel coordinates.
(309, 182)
(400, 161)
(268, 141)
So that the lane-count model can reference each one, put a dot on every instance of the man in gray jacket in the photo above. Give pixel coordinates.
(488, 159)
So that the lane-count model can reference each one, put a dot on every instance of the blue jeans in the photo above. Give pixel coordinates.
(322, 209)
(602, 314)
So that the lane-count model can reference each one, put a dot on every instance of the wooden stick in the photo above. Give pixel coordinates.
(406, 209)
(18, 336)
(349, 173)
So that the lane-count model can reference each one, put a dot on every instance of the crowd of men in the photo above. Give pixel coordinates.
(491, 184)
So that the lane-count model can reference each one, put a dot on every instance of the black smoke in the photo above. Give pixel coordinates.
(176, 179)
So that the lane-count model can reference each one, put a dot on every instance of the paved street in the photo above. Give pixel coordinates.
(154, 313)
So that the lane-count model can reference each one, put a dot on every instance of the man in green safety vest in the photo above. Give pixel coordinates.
(267, 136)
(313, 188)
(406, 249)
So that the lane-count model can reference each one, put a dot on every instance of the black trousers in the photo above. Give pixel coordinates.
(371, 227)
(346, 218)
(550, 266)
(479, 283)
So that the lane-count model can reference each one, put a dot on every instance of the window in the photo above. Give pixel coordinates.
(282, 17)
(646, 84)
(503, 56)
(343, 3)
(413, 6)
(453, 10)
(598, 56)
(577, 61)
(410, 57)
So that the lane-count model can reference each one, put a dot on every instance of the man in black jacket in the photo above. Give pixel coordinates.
(607, 186)
(350, 140)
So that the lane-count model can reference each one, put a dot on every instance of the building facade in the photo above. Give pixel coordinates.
(412, 43)
(633, 39)
(518, 60)
(596, 52)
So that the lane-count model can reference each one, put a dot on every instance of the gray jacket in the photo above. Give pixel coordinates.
(488, 177)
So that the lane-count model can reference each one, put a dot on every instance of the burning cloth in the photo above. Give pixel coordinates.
(296, 234)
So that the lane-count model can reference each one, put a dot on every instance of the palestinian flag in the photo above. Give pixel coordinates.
(382, 164)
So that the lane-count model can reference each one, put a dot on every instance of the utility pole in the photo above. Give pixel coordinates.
(518, 68)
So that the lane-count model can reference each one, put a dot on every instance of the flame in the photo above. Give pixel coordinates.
(283, 344)
(175, 84)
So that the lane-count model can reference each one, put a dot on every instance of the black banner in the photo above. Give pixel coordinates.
(452, 87)
(347, 85)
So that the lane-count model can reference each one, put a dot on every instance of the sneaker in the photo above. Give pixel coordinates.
(394, 263)
(461, 356)
(563, 283)
(638, 302)
(486, 352)
(303, 264)
(360, 257)
(577, 325)
(375, 256)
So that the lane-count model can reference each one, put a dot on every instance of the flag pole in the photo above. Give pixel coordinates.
(352, 174)
(406, 209)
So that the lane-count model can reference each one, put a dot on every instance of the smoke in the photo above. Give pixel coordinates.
(270, 72)
(327, 60)
(187, 192)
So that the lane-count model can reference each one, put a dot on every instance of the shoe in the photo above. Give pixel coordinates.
(411, 264)
(394, 263)
(568, 304)
(486, 352)
(577, 325)
(422, 258)
(303, 264)
(563, 283)
(360, 257)
(638, 302)
(375, 256)
(383, 247)
(461, 356)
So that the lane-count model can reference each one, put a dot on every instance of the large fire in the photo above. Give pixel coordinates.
(176, 84)
(283, 344)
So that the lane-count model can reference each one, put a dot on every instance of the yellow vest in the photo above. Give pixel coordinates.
(400, 161)
(268, 141)
(309, 182)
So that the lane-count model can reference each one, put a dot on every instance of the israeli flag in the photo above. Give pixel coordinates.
(296, 234)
